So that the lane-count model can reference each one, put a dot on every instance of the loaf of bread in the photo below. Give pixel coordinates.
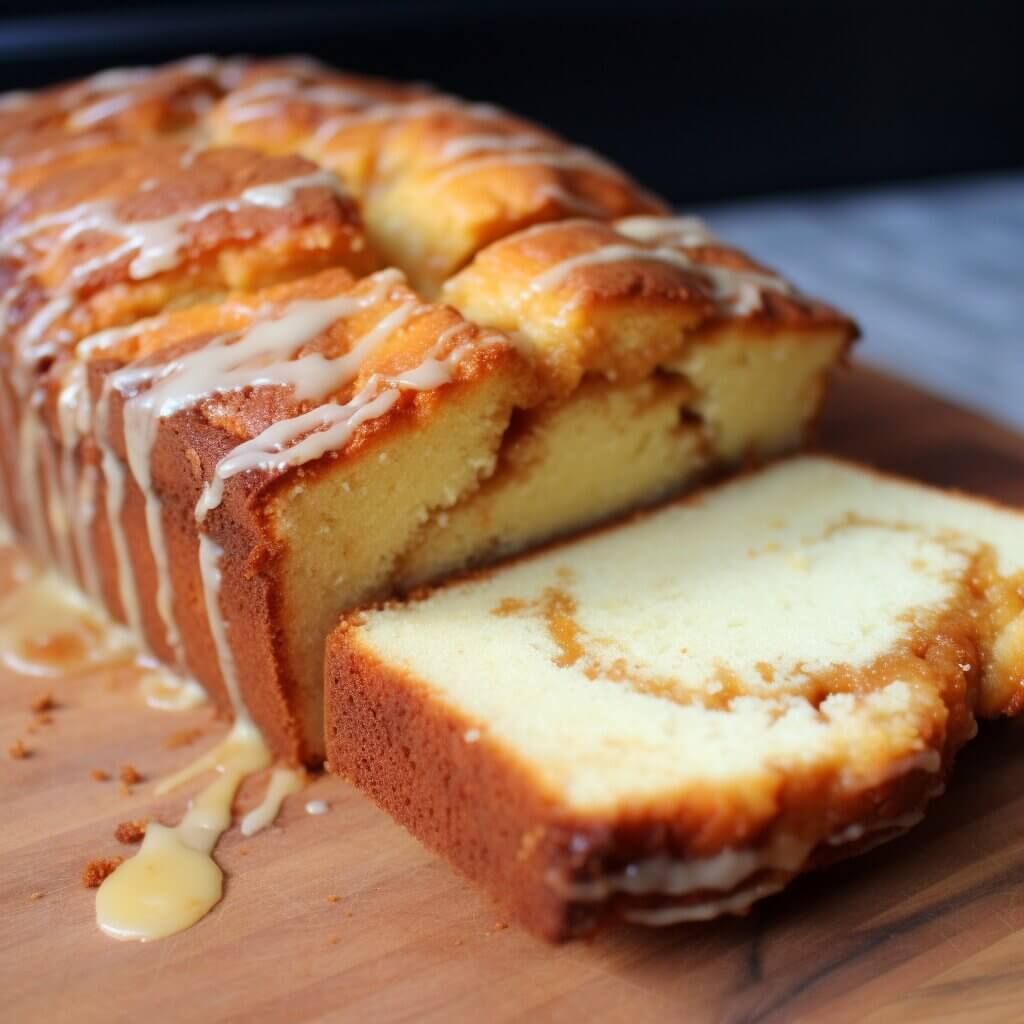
(278, 341)
(668, 719)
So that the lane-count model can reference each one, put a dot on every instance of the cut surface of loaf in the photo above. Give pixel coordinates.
(667, 719)
(230, 417)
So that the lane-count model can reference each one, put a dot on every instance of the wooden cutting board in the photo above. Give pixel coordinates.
(345, 917)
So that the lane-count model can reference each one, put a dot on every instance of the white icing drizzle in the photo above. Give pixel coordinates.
(240, 108)
(326, 428)
(30, 438)
(7, 426)
(316, 807)
(724, 871)
(858, 830)
(89, 115)
(283, 782)
(114, 492)
(219, 368)
(684, 231)
(329, 129)
(75, 420)
(156, 244)
(562, 196)
(573, 159)
(674, 877)
(311, 377)
(88, 481)
(734, 903)
(280, 194)
(472, 145)
(740, 289)
(296, 441)
(58, 507)
(210, 553)
(123, 88)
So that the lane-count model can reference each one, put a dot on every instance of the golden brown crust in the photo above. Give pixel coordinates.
(279, 106)
(120, 238)
(440, 178)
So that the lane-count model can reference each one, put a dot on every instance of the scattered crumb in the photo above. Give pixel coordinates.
(243, 851)
(44, 703)
(43, 718)
(348, 913)
(333, 898)
(130, 775)
(17, 751)
(529, 842)
(182, 738)
(500, 926)
(99, 775)
(129, 832)
(96, 870)
(37, 895)
(332, 940)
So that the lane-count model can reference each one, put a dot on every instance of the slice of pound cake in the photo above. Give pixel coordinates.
(669, 719)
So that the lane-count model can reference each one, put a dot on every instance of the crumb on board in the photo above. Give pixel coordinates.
(97, 870)
(500, 926)
(129, 832)
(130, 774)
(332, 940)
(17, 751)
(99, 775)
(37, 895)
(181, 738)
(43, 703)
(333, 898)
(42, 718)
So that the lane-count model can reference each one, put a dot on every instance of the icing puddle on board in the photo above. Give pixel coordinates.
(173, 881)
(47, 629)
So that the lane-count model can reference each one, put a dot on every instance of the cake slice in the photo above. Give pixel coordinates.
(668, 719)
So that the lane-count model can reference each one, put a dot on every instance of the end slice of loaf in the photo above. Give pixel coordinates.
(668, 719)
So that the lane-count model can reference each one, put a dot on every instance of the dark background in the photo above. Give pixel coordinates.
(701, 100)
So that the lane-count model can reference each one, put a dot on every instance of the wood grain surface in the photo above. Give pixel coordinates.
(345, 917)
